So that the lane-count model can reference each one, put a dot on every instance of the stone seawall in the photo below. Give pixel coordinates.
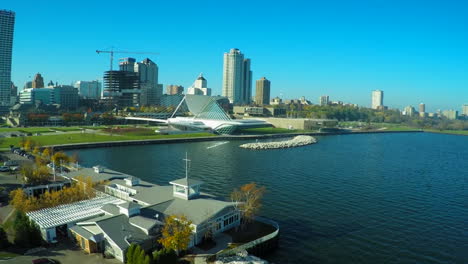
(297, 141)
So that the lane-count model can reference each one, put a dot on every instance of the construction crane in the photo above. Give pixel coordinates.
(114, 51)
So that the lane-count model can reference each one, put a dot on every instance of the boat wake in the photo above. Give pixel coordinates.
(217, 144)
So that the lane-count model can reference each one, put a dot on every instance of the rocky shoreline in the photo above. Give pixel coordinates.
(297, 141)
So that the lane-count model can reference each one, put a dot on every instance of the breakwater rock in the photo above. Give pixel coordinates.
(294, 142)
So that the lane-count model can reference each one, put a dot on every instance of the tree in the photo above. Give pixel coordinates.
(46, 153)
(248, 200)
(176, 233)
(27, 233)
(129, 254)
(60, 158)
(36, 150)
(4, 243)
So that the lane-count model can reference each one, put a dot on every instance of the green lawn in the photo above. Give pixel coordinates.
(268, 130)
(26, 129)
(401, 128)
(91, 137)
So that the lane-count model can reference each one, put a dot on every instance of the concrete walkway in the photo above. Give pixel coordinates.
(222, 241)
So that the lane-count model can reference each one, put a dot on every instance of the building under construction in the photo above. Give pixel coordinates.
(121, 89)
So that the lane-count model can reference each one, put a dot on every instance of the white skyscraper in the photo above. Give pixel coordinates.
(199, 87)
(377, 99)
(237, 77)
(89, 90)
(7, 23)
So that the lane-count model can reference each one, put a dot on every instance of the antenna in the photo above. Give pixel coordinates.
(186, 165)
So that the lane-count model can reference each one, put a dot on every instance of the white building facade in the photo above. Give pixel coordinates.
(199, 87)
(89, 89)
(237, 77)
(377, 99)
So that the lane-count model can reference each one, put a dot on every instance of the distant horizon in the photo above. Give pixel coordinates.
(415, 52)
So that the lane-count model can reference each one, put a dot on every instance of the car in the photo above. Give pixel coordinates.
(4, 168)
(45, 261)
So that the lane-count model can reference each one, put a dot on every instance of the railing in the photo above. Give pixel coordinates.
(255, 242)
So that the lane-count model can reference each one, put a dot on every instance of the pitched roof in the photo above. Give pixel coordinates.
(121, 232)
(197, 210)
(186, 182)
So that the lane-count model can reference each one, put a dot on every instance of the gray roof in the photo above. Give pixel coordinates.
(186, 182)
(144, 222)
(197, 210)
(148, 193)
(81, 231)
(111, 209)
(121, 232)
(129, 205)
(106, 175)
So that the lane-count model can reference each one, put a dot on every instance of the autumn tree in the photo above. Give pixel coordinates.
(60, 158)
(46, 153)
(36, 150)
(176, 233)
(247, 199)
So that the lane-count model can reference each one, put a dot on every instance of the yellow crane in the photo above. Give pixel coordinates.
(111, 52)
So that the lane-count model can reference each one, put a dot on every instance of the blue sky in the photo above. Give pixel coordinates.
(416, 51)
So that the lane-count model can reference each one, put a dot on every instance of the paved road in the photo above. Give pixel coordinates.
(66, 253)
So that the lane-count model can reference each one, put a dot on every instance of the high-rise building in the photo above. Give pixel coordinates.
(7, 24)
(247, 87)
(409, 111)
(27, 85)
(465, 110)
(377, 99)
(422, 108)
(450, 114)
(37, 96)
(199, 87)
(89, 89)
(237, 77)
(148, 72)
(262, 91)
(14, 94)
(172, 89)
(38, 81)
(121, 89)
(324, 100)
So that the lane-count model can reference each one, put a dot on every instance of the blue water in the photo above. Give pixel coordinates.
(375, 198)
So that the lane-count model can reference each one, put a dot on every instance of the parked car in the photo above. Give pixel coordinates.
(13, 135)
(4, 168)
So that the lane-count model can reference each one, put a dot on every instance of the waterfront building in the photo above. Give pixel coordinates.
(324, 100)
(172, 89)
(450, 114)
(465, 110)
(302, 123)
(89, 89)
(237, 77)
(7, 23)
(38, 81)
(262, 91)
(199, 87)
(377, 99)
(133, 211)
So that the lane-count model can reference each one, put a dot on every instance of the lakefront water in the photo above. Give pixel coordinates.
(374, 198)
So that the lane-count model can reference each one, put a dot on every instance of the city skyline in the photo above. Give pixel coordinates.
(363, 55)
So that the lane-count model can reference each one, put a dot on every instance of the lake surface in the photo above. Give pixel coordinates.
(374, 198)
